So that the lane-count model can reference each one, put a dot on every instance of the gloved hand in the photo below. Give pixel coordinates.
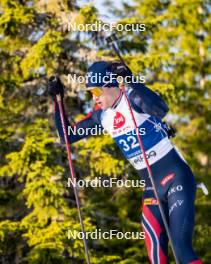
(55, 87)
(120, 69)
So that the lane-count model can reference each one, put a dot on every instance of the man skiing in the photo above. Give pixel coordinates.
(173, 178)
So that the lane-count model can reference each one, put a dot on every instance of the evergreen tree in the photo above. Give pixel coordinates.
(37, 206)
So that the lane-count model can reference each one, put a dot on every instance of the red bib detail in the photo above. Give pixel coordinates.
(119, 120)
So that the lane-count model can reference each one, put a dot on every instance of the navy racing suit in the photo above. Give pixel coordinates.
(173, 178)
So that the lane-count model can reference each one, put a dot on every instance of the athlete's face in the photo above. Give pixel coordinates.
(107, 98)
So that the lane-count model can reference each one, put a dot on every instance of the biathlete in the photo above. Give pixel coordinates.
(173, 178)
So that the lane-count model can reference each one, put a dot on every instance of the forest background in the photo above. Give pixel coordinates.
(37, 207)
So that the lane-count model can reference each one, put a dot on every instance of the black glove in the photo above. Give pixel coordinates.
(120, 69)
(55, 87)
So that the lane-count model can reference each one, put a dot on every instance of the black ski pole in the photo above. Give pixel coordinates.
(72, 171)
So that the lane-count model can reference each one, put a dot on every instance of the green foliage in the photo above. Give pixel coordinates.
(87, 14)
(14, 18)
(101, 151)
(40, 55)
